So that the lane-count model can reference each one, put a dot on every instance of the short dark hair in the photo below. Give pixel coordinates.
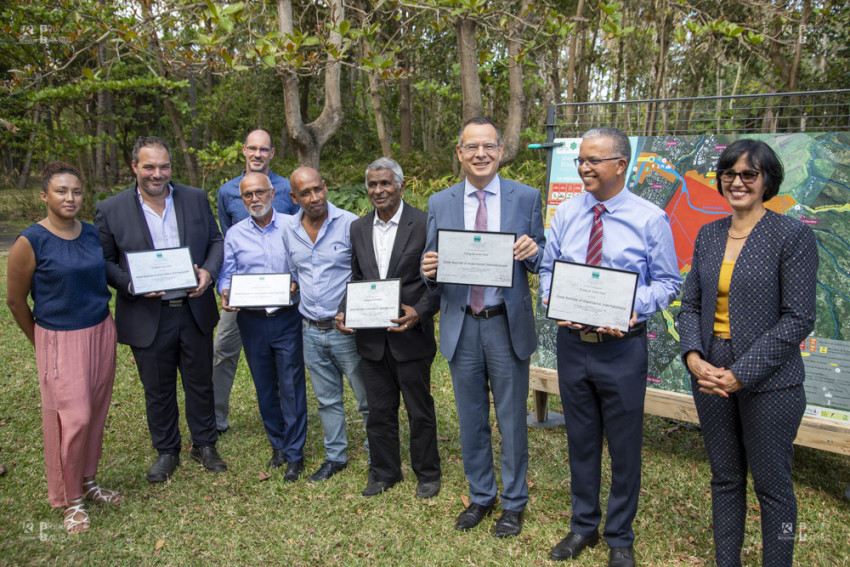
(145, 141)
(619, 140)
(760, 156)
(57, 168)
(480, 120)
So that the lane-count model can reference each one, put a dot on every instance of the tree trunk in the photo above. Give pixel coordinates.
(578, 33)
(470, 84)
(308, 139)
(405, 111)
(100, 180)
(170, 108)
(516, 100)
(378, 110)
(25, 169)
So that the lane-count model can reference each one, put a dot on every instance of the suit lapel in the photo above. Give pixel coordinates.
(715, 255)
(455, 210)
(140, 218)
(178, 214)
(369, 265)
(506, 191)
(401, 236)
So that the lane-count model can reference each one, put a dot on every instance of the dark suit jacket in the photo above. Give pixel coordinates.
(123, 229)
(414, 343)
(771, 299)
(520, 214)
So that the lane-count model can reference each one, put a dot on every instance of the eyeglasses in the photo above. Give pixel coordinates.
(489, 148)
(747, 176)
(593, 162)
(255, 149)
(249, 195)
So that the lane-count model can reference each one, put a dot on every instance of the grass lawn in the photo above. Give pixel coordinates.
(238, 518)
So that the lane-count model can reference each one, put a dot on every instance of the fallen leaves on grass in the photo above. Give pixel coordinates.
(264, 476)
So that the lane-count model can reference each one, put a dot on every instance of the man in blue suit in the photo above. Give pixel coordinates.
(487, 333)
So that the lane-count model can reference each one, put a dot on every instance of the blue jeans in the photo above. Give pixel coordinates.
(328, 354)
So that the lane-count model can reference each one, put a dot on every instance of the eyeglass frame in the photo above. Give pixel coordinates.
(593, 162)
(248, 196)
(254, 149)
(739, 174)
(489, 148)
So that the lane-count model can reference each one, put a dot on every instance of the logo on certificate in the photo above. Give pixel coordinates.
(159, 254)
(595, 275)
(374, 286)
(476, 239)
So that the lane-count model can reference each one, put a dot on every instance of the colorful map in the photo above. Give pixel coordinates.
(677, 174)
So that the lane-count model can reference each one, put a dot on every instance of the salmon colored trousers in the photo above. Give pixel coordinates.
(76, 370)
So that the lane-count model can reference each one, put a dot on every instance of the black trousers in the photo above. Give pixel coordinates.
(754, 430)
(385, 380)
(179, 343)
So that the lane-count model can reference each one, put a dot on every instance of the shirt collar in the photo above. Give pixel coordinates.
(493, 187)
(274, 221)
(611, 204)
(395, 220)
(167, 198)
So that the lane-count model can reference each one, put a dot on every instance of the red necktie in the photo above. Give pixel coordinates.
(594, 245)
(476, 292)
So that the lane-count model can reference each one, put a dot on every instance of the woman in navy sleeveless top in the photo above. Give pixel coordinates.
(59, 262)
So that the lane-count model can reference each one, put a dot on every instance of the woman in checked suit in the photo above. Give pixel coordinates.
(748, 303)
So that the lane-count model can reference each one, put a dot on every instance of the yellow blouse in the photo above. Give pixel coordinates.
(721, 309)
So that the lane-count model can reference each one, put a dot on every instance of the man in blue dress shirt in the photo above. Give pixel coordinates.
(258, 151)
(317, 242)
(272, 335)
(602, 372)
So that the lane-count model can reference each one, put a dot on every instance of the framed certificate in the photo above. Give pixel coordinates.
(592, 295)
(165, 269)
(372, 304)
(259, 290)
(475, 258)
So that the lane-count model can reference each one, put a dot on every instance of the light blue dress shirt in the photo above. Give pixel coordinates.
(321, 268)
(636, 237)
(249, 249)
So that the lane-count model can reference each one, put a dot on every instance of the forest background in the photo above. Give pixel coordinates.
(338, 83)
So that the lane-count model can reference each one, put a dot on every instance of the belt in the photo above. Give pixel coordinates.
(321, 324)
(177, 302)
(264, 314)
(487, 312)
(594, 337)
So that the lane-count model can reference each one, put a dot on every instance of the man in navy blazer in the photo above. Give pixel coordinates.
(166, 330)
(486, 333)
(388, 243)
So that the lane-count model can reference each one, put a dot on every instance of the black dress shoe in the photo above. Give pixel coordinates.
(472, 516)
(621, 557)
(208, 457)
(327, 470)
(277, 459)
(375, 487)
(571, 546)
(428, 488)
(163, 467)
(509, 524)
(293, 471)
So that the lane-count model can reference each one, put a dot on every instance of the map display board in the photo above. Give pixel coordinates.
(677, 174)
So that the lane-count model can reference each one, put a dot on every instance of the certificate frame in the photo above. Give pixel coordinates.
(374, 291)
(466, 273)
(181, 277)
(599, 282)
(244, 297)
